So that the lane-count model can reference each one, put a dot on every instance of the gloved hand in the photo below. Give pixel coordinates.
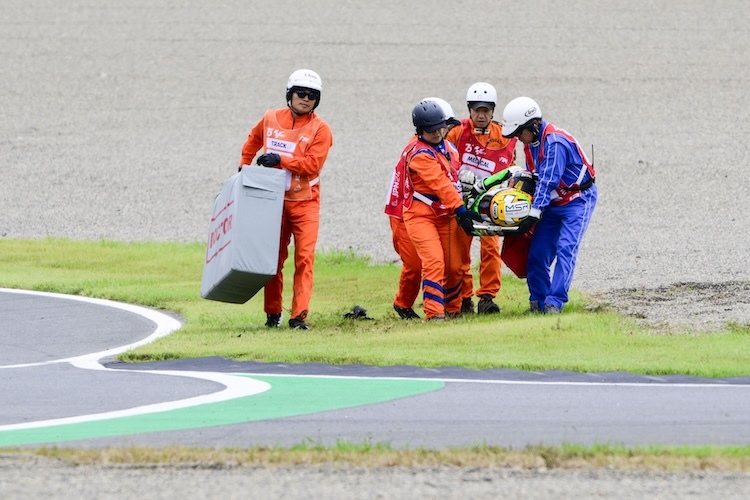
(269, 159)
(466, 219)
(467, 179)
(529, 222)
(470, 185)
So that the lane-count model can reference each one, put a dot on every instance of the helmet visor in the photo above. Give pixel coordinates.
(511, 130)
(432, 128)
(482, 104)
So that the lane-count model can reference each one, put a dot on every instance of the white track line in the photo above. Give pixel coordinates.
(510, 382)
(238, 385)
(234, 386)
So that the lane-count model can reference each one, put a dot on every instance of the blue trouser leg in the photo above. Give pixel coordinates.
(560, 238)
(541, 255)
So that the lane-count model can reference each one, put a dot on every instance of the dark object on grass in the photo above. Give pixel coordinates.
(357, 313)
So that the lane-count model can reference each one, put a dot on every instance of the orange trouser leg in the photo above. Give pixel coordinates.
(306, 217)
(455, 264)
(467, 280)
(302, 220)
(425, 235)
(272, 300)
(411, 267)
(436, 241)
(489, 266)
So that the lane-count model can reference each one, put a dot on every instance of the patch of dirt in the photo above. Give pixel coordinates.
(683, 307)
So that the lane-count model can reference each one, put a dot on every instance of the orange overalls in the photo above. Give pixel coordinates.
(430, 201)
(303, 143)
(484, 153)
(410, 279)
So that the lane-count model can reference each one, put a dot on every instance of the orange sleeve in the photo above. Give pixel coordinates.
(253, 144)
(429, 178)
(454, 134)
(315, 154)
(496, 132)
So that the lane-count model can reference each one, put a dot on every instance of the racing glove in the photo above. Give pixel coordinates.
(466, 219)
(468, 182)
(269, 159)
(471, 187)
(530, 221)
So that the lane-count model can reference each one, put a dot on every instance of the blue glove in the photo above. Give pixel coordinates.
(466, 219)
(269, 159)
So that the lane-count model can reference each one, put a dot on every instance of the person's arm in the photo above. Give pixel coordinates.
(253, 144)
(550, 172)
(427, 167)
(471, 187)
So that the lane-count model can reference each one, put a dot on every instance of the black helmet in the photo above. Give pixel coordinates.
(523, 180)
(427, 116)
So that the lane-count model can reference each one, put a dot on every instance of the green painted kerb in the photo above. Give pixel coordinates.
(288, 396)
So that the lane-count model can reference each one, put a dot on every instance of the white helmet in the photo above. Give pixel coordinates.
(450, 116)
(305, 78)
(518, 113)
(481, 93)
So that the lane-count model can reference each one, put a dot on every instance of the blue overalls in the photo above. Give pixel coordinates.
(566, 195)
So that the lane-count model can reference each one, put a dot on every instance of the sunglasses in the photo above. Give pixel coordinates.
(311, 94)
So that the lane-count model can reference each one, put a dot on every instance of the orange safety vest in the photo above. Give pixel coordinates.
(292, 143)
(448, 165)
(481, 160)
(400, 184)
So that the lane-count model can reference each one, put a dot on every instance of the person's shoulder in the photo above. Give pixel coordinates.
(455, 133)
(420, 149)
(323, 126)
(316, 117)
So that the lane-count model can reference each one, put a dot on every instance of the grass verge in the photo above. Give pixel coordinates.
(167, 276)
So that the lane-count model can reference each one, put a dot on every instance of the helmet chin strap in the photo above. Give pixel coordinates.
(533, 127)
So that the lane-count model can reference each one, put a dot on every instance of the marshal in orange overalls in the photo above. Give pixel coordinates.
(483, 152)
(410, 279)
(428, 211)
(303, 143)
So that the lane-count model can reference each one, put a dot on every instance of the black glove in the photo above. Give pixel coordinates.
(526, 225)
(357, 313)
(466, 220)
(269, 159)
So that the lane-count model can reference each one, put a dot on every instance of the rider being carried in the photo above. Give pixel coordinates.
(503, 200)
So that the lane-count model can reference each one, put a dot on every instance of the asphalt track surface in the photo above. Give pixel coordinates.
(61, 386)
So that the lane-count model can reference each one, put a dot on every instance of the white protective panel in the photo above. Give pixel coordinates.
(242, 249)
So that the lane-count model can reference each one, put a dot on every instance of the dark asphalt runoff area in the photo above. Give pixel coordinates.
(57, 362)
